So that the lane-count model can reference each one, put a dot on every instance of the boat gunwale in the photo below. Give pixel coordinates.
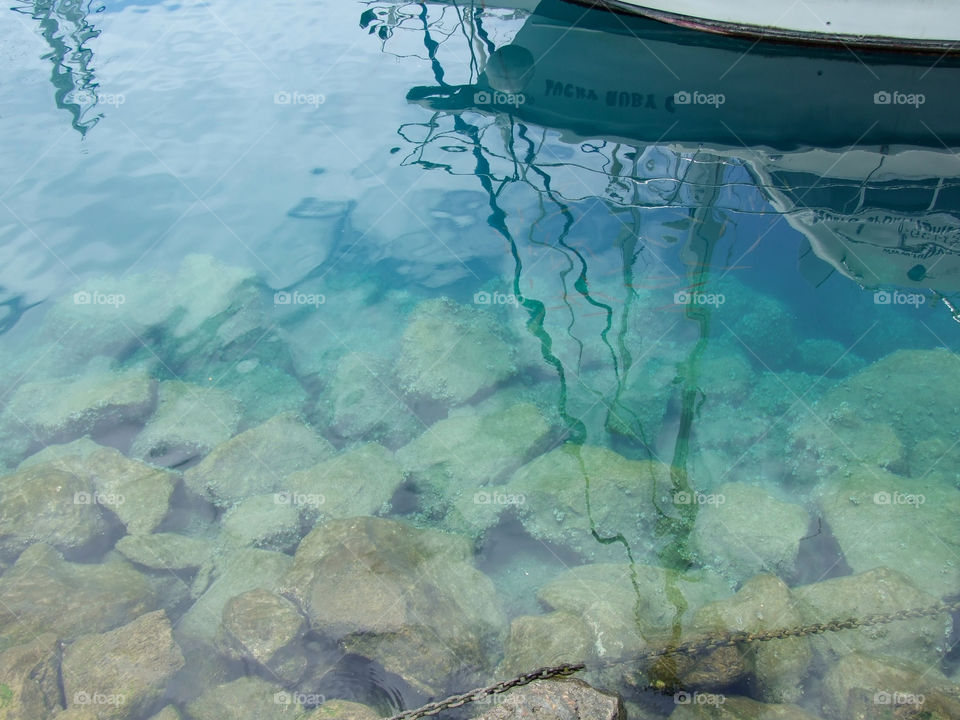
(761, 33)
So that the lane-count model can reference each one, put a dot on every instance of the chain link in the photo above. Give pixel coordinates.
(690, 648)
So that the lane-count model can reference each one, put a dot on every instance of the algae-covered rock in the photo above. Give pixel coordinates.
(189, 421)
(263, 627)
(168, 713)
(365, 405)
(137, 493)
(776, 668)
(472, 452)
(270, 521)
(165, 551)
(44, 593)
(94, 403)
(622, 605)
(30, 679)
(358, 481)
(249, 698)
(45, 504)
(343, 710)
(568, 699)
(409, 599)
(861, 686)
(713, 706)
(237, 572)
(911, 391)
(546, 640)
(746, 531)
(875, 592)
(823, 444)
(132, 664)
(558, 486)
(908, 524)
(450, 352)
(256, 461)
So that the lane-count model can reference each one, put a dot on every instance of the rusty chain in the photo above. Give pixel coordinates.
(690, 648)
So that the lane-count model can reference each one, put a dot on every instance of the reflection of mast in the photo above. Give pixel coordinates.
(64, 26)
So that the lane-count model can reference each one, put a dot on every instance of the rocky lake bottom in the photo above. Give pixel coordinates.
(206, 514)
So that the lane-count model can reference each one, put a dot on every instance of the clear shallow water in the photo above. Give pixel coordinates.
(270, 204)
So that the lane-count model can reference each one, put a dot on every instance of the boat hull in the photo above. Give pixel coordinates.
(927, 27)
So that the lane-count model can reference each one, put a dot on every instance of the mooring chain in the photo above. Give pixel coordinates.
(692, 647)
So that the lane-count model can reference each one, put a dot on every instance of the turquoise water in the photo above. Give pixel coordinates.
(365, 360)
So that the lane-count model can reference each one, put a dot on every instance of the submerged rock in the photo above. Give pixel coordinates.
(451, 352)
(137, 493)
(343, 710)
(712, 706)
(190, 420)
(908, 524)
(168, 713)
(165, 551)
(44, 593)
(747, 531)
(557, 487)
(364, 404)
(470, 453)
(623, 605)
(543, 640)
(874, 592)
(358, 481)
(777, 668)
(101, 400)
(860, 686)
(568, 699)
(271, 521)
(238, 572)
(257, 461)
(911, 391)
(263, 627)
(431, 615)
(249, 698)
(30, 680)
(131, 664)
(45, 504)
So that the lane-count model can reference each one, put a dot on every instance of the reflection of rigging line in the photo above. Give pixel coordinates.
(52, 14)
(582, 287)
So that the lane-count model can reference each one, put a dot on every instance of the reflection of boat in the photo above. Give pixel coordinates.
(928, 25)
(868, 177)
(652, 82)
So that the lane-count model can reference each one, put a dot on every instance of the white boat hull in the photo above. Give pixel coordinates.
(921, 25)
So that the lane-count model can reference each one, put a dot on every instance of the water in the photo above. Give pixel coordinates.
(628, 317)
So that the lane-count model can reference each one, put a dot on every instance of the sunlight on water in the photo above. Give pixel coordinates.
(355, 355)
